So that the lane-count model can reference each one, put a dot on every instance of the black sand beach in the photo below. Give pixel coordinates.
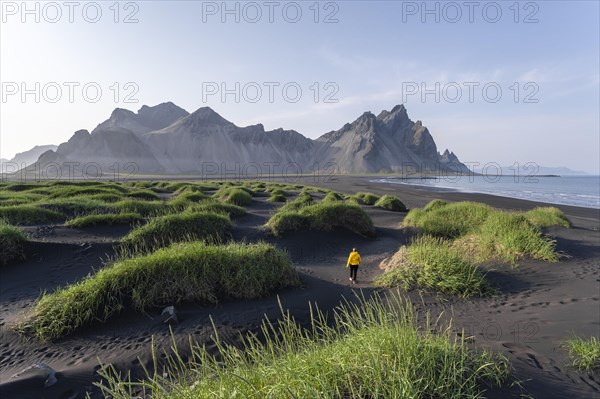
(540, 305)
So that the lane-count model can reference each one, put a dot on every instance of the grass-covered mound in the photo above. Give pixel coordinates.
(457, 237)
(584, 353)
(143, 194)
(507, 237)
(190, 225)
(484, 233)
(434, 264)
(8, 198)
(277, 198)
(323, 216)
(240, 196)
(372, 350)
(77, 206)
(72, 191)
(302, 200)
(107, 219)
(144, 208)
(448, 220)
(391, 203)
(547, 217)
(278, 192)
(183, 272)
(367, 198)
(186, 198)
(219, 207)
(332, 196)
(12, 243)
(29, 214)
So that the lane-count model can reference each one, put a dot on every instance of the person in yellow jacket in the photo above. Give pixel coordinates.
(353, 262)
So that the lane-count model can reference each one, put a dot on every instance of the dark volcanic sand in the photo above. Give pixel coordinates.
(541, 303)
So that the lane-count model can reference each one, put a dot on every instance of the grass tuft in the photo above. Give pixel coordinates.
(107, 219)
(457, 236)
(235, 195)
(180, 273)
(12, 243)
(29, 215)
(367, 198)
(397, 359)
(189, 225)
(434, 264)
(391, 203)
(584, 353)
(277, 198)
(144, 208)
(332, 197)
(143, 195)
(547, 217)
(323, 216)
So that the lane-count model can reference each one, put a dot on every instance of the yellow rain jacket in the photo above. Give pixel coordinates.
(353, 259)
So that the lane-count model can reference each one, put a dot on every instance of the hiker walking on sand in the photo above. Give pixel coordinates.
(353, 262)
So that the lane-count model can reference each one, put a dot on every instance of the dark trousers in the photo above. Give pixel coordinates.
(353, 271)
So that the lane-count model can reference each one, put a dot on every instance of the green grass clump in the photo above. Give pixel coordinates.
(70, 191)
(277, 198)
(76, 206)
(8, 198)
(397, 359)
(105, 197)
(584, 353)
(484, 233)
(508, 237)
(332, 196)
(143, 195)
(302, 200)
(189, 225)
(448, 221)
(547, 216)
(457, 236)
(234, 195)
(323, 216)
(193, 196)
(391, 203)
(218, 207)
(29, 214)
(144, 208)
(434, 264)
(107, 219)
(21, 186)
(180, 273)
(187, 198)
(12, 243)
(435, 204)
(367, 198)
(279, 192)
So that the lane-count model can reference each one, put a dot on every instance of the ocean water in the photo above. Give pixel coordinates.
(583, 191)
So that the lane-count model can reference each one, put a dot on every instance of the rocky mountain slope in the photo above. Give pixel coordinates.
(166, 139)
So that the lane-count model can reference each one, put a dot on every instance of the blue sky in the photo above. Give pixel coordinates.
(370, 56)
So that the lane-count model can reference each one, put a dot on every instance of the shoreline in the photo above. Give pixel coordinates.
(441, 189)
(417, 196)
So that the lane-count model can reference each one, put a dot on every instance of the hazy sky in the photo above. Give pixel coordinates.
(504, 82)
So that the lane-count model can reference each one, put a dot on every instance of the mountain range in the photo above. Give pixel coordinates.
(166, 139)
(25, 158)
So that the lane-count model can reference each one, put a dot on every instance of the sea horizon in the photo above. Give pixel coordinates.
(573, 190)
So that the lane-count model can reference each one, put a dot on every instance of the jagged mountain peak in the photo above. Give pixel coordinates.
(145, 120)
(161, 111)
(121, 113)
(166, 137)
(207, 114)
